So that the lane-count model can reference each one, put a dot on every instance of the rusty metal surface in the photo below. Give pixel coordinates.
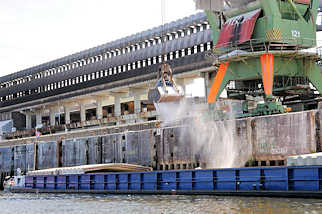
(270, 138)
(6, 159)
(44, 151)
(23, 157)
(275, 137)
(73, 152)
(259, 139)
(83, 133)
(242, 136)
(20, 157)
(175, 150)
(133, 146)
(237, 30)
(181, 145)
(30, 157)
(110, 148)
(139, 147)
(302, 1)
(128, 147)
(48, 130)
(93, 150)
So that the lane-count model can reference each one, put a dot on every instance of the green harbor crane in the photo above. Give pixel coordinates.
(267, 48)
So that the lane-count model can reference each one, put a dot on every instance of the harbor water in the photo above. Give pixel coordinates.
(97, 204)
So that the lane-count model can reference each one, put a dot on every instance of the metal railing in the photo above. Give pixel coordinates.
(254, 46)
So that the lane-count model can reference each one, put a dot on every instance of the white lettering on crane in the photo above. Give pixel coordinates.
(296, 34)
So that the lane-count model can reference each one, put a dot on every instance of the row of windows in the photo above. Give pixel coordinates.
(113, 71)
(110, 54)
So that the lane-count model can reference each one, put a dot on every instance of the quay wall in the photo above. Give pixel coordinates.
(257, 141)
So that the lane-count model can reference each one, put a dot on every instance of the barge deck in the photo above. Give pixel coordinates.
(304, 181)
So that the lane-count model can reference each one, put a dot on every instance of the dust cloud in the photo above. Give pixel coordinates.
(214, 141)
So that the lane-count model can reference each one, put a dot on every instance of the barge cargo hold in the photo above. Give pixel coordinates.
(265, 181)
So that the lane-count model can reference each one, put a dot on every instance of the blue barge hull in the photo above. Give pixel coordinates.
(267, 181)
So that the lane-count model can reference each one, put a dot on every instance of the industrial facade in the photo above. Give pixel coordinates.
(106, 76)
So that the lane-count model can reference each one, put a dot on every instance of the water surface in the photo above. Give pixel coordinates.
(97, 204)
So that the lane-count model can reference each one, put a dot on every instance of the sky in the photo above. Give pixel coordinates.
(37, 31)
(33, 32)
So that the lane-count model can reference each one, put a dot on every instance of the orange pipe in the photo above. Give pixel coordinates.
(217, 82)
(267, 61)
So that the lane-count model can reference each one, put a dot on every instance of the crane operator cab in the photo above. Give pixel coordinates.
(166, 90)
